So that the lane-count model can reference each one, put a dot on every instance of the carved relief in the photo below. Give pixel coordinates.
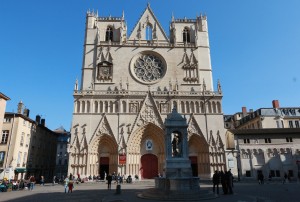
(133, 107)
(105, 72)
(190, 66)
(164, 108)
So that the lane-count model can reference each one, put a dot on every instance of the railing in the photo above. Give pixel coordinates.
(143, 93)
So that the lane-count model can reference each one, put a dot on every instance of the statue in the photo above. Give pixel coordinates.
(176, 145)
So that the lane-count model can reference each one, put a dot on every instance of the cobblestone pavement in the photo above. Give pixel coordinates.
(91, 191)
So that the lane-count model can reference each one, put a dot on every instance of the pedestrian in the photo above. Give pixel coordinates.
(32, 181)
(70, 186)
(109, 179)
(53, 180)
(228, 177)
(42, 180)
(216, 181)
(284, 178)
(66, 183)
(223, 182)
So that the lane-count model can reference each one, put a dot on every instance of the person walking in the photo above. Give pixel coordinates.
(66, 183)
(42, 180)
(109, 179)
(224, 182)
(70, 186)
(284, 178)
(216, 181)
(32, 181)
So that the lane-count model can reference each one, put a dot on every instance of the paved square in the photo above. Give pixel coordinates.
(243, 192)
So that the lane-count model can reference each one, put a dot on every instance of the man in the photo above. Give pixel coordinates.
(216, 181)
(109, 179)
(66, 183)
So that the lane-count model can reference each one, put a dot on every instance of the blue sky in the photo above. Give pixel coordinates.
(255, 49)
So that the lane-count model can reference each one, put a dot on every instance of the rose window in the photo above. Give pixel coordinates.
(148, 68)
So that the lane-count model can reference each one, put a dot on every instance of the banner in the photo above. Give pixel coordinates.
(122, 158)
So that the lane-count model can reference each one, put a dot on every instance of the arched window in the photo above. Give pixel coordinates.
(116, 106)
(106, 106)
(202, 107)
(187, 107)
(88, 106)
(124, 106)
(197, 107)
(83, 107)
(182, 107)
(175, 105)
(78, 107)
(186, 35)
(192, 107)
(214, 107)
(111, 106)
(148, 33)
(96, 107)
(219, 107)
(209, 107)
(109, 34)
(101, 106)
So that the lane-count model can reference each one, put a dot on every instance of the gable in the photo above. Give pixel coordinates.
(148, 19)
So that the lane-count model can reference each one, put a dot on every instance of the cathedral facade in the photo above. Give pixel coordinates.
(130, 82)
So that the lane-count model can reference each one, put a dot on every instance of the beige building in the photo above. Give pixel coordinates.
(31, 146)
(3, 147)
(130, 82)
(264, 141)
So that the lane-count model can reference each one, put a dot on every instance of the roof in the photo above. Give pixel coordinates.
(265, 131)
(4, 96)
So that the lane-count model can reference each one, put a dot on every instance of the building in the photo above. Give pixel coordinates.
(30, 146)
(128, 86)
(3, 147)
(62, 158)
(264, 141)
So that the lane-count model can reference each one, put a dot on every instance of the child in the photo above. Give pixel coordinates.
(71, 186)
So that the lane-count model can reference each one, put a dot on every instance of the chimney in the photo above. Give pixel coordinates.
(43, 121)
(275, 104)
(244, 111)
(20, 107)
(26, 112)
(38, 119)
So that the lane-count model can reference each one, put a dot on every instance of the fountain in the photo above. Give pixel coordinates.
(177, 182)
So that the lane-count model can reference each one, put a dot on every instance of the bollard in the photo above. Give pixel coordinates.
(118, 190)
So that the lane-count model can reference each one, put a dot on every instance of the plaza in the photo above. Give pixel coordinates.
(97, 191)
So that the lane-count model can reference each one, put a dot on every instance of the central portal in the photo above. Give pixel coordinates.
(149, 166)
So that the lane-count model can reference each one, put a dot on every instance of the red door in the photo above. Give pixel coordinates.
(149, 168)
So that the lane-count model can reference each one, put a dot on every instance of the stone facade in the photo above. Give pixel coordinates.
(130, 83)
(264, 141)
(31, 146)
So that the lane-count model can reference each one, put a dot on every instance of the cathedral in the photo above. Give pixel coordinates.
(130, 82)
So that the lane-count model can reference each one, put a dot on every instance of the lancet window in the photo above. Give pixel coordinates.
(109, 34)
(186, 35)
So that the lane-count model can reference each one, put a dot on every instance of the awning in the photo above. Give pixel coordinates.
(20, 170)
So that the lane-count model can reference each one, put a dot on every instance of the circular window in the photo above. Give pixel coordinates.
(148, 67)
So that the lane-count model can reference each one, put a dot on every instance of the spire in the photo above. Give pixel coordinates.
(204, 85)
(219, 86)
(173, 19)
(76, 85)
(123, 15)
(148, 5)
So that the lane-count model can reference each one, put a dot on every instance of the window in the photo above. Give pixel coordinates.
(61, 145)
(267, 140)
(66, 162)
(272, 173)
(291, 124)
(186, 35)
(4, 138)
(27, 140)
(246, 141)
(289, 139)
(297, 124)
(59, 162)
(22, 139)
(148, 33)
(109, 34)
(19, 159)
(7, 120)
(248, 173)
(24, 159)
(277, 173)
(2, 155)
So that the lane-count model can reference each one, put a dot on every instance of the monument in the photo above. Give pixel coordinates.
(177, 182)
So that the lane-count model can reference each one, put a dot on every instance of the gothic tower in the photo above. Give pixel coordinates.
(128, 86)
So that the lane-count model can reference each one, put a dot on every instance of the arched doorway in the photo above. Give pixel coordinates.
(149, 166)
(104, 167)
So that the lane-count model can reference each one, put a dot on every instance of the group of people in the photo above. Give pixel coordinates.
(118, 179)
(226, 179)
